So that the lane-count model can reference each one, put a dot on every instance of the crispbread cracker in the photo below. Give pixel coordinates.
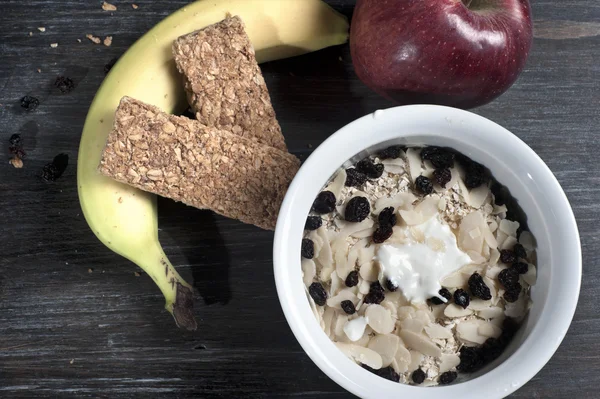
(224, 84)
(201, 166)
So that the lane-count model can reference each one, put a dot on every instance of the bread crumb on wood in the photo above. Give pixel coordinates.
(93, 38)
(16, 162)
(108, 7)
(134, 6)
(42, 29)
(108, 41)
(54, 45)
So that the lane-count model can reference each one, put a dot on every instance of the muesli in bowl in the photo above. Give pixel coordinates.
(418, 264)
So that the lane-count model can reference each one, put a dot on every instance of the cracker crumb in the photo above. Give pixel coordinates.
(78, 40)
(137, 274)
(108, 7)
(16, 162)
(42, 29)
(134, 6)
(93, 38)
(90, 270)
(30, 33)
(72, 361)
(39, 70)
(54, 45)
(108, 41)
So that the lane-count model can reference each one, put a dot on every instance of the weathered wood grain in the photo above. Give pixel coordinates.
(75, 322)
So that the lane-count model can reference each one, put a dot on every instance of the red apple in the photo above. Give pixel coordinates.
(449, 52)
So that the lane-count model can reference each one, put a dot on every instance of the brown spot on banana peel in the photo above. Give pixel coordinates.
(183, 308)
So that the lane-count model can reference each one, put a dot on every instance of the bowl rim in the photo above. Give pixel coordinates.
(347, 141)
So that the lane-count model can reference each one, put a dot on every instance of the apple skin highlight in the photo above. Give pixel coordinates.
(440, 51)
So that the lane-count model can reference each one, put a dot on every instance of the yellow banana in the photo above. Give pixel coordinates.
(124, 218)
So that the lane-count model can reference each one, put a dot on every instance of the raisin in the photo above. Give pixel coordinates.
(520, 267)
(354, 178)
(55, 169)
(382, 234)
(478, 287)
(508, 277)
(357, 209)
(519, 251)
(442, 176)
(308, 248)
(500, 193)
(491, 349)
(448, 377)
(444, 293)
(313, 223)
(318, 293)
(439, 157)
(372, 170)
(64, 84)
(424, 185)
(461, 298)
(418, 376)
(390, 152)
(470, 360)
(509, 328)
(376, 294)
(30, 103)
(16, 146)
(352, 279)
(507, 256)
(387, 217)
(324, 203)
(512, 293)
(475, 175)
(109, 66)
(390, 285)
(385, 372)
(348, 307)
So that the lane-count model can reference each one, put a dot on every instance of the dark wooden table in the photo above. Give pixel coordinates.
(75, 321)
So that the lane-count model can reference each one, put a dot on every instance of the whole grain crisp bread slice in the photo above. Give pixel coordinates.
(182, 159)
(224, 84)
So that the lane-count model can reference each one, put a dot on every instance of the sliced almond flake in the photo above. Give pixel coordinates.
(466, 240)
(369, 271)
(389, 305)
(325, 254)
(477, 196)
(442, 204)
(366, 255)
(328, 317)
(344, 295)
(364, 287)
(486, 252)
(325, 274)
(365, 339)
(531, 276)
(402, 358)
(491, 285)
(498, 209)
(479, 304)
(488, 236)
(337, 184)
(395, 166)
(411, 217)
(493, 226)
(494, 256)
(344, 269)
(437, 331)
(414, 325)
(489, 330)
(398, 236)
(309, 271)
(516, 309)
(500, 237)
(493, 271)
(361, 355)
(509, 227)
(402, 200)
(336, 284)
(317, 310)
(527, 240)
(470, 269)
(428, 207)
(424, 315)
(437, 312)
(454, 280)
(448, 362)
(380, 319)
(463, 191)
(491, 312)
(454, 311)
(420, 343)
(364, 233)
(414, 163)
(498, 321)
(476, 257)
(509, 243)
(405, 312)
(340, 252)
(466, 331)
(338, 327)
(415, 360)
(386, 345)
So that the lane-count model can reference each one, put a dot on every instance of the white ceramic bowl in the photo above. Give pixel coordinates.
(513, 164)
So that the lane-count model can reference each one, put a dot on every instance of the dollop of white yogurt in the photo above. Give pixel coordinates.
(416, 268)
(355, 329)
